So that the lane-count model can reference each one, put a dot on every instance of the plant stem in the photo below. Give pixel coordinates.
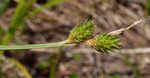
(23, 7)
(31, 46)
(21, 67)
(50, 3)
(22, 10)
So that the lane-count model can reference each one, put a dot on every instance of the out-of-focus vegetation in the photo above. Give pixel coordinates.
(3, 5)
(147, 7)
(22, 11)
(62, 15)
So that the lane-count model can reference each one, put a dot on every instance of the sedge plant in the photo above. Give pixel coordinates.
(82, 34)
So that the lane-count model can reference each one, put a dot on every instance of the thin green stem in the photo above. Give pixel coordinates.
(32, 46)
(50, 3)
(23, 7)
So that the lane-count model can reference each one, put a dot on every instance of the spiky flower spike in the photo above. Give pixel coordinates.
(104, 42)
(81, 32)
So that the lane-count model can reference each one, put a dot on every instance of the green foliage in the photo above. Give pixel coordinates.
(77, 56)
(73, 75)
(116, 76)
(147, 7)
(21, 12)
(105, 42)
(20, 66)
(1, 34)
(132, 67)
(81, 32)
(54, 61)
(44, 64)
(3, 5)
(3, 75)
(52, 67)
(50, 3)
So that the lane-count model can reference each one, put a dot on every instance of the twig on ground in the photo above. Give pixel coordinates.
(119, 31)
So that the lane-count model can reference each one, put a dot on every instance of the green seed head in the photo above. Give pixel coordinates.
(81, 32)
(104, 42)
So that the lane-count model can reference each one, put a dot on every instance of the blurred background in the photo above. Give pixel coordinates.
(44, 21)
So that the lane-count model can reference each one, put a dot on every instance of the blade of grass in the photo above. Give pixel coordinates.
(3, 5)
(22, 10)
(52, 67)
(21, 67)
(132, 67)
(31, 46)
(1, 33)
(50, 3)
(54, 61)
